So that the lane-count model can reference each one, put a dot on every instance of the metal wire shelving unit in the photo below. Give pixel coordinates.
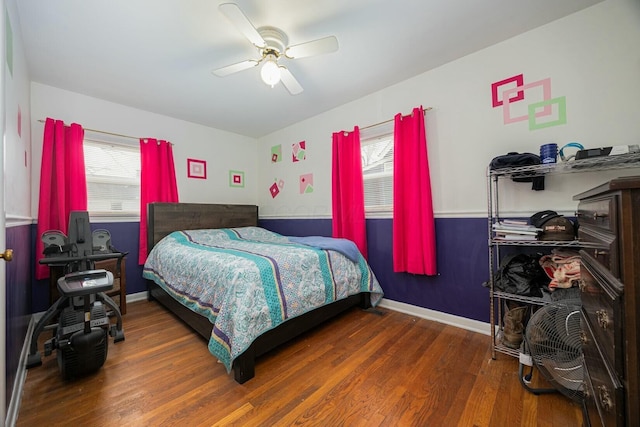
(623, 161)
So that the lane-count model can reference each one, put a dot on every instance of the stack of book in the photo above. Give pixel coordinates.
(515, 230)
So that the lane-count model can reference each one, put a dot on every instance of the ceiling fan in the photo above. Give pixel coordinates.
(272, 44)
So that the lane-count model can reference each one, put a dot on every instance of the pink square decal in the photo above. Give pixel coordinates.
(545, 84)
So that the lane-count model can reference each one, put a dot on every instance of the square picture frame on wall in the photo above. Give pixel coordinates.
(196, 169)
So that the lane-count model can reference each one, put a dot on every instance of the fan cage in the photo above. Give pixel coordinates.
(552, 338)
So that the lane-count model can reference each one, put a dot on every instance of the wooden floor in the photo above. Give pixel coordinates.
(362, 369)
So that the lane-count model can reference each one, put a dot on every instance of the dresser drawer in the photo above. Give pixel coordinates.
(603, 396)
(601, 296)
(598, 212)
(593, 416)
(605, 250)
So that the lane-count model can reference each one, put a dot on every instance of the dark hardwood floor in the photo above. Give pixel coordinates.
(361, 369)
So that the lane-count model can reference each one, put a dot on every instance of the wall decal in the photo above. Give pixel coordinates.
(306, 183)
(274, 190)
(196, 169)
(545, 85)
(543, 112)
(236, 179)
(8, 35)
(561, 117)
(497, 99)
(276, 187)
(298, 151)
(276, 153)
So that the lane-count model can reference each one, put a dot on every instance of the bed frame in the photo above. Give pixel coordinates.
(164, 218)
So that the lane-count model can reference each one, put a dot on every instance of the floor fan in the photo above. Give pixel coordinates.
(552, 344)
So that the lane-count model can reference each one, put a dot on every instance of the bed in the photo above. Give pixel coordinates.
(228, 236)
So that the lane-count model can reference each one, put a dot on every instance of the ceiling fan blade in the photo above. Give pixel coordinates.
(234, 68)
(289, 81)
(315, 47)
(242, 23)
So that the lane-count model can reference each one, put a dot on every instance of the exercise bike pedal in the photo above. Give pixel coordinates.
(34, 360)
(118, 335)
(49, 346)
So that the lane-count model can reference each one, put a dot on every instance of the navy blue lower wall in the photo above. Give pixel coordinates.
(462, 259)
(18, 299)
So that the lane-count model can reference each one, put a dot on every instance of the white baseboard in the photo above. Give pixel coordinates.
(138, 296)
(449, 319)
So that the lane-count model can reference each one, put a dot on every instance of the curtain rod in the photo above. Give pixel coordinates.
(107, 133)
(424, 111)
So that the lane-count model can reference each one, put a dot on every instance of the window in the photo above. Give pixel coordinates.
(113, 178)
(377, 171)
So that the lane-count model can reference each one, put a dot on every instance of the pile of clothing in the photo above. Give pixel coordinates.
(562, 267)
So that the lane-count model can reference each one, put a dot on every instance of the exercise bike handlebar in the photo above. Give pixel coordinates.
(93, 257)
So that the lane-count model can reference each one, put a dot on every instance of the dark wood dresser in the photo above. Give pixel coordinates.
(609, 218)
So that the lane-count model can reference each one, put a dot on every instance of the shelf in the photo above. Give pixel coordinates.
(621, 161)
(507, 350)
(522, 298)
(547, 243)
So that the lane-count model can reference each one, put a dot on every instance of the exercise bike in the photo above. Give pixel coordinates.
(83, 327)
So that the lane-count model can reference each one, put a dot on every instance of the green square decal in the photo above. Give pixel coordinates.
(236, 179)
(276, 153)
(561, 105)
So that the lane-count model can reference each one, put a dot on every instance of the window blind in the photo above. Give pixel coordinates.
(113, 177)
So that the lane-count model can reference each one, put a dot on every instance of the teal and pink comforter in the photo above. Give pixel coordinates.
(249, 280)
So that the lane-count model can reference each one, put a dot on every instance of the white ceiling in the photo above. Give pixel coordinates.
(157, 55)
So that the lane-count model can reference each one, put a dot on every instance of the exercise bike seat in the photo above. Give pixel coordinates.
(101, 240)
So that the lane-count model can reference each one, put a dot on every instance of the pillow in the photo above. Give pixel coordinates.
(259, 234)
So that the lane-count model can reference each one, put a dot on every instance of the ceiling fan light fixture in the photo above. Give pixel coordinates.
(272, 43)
(270, 71)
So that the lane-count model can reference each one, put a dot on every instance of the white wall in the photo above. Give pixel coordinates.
(592, 58)
(223, 151)
(17, 162)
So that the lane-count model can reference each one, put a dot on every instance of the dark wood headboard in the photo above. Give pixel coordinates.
(165, 218)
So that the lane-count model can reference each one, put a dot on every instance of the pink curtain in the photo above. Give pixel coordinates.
(348, 189)
(414, 240)
(63, 182)
(157, 182)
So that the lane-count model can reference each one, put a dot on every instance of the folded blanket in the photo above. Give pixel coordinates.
(344, 246)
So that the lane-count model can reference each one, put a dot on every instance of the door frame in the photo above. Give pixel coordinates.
(3, 239)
